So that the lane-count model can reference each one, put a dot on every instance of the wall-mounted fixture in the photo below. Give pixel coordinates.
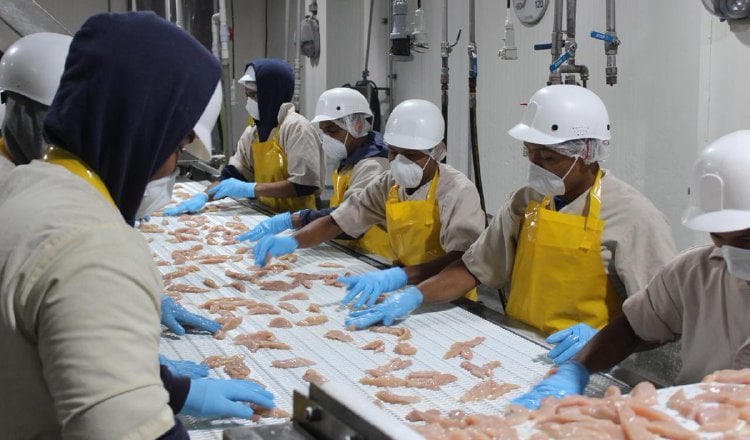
(728, 9)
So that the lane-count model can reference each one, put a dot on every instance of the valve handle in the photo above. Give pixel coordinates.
(543, 46)
(603, 37)
(558, 62)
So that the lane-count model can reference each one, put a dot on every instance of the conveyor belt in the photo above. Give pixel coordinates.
(434, 329)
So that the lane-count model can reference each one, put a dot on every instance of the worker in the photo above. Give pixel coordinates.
(343, 121)
(278, 159)
(431, 210)
(30, 72)
(79, 330)
(570, 246)
(701, 297)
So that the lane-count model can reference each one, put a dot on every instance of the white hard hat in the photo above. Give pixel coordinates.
(415, 124)
(201, 146)
(339, 102)
(719, 191)
(33, 65)
(248, 77)
(560, 113)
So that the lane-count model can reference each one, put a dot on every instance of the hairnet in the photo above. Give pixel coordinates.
(588, 150)
(22, 128)
(350, 122)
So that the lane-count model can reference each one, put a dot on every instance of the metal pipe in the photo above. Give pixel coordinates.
(445, 49)
(178, 19)
(133, 5)
(571, 68)
(556, 51)
(286, 30)
(226, 78)
(297, 62)
(168, 10)
(610, 49)
(366, 72)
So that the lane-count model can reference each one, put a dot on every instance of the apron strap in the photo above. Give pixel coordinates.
(595, 199)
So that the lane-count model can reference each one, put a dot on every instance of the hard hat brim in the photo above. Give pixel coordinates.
(727, 220)
(409, 142)
(524, 133)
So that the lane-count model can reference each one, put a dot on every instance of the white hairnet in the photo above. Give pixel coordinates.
(439, 152)
(589, 150)
(350, 122)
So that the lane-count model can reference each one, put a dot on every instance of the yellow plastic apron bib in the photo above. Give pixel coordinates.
(269, 161)
(414, 229)
(375, 240)
(558, 276)
(72, 163)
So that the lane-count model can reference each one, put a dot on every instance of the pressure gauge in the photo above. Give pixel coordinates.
(529, 12)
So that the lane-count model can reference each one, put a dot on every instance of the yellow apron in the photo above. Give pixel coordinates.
(375, 240)
(72, 163)
(558, 276)
(269, 161)
(414, 229)
(4, 150)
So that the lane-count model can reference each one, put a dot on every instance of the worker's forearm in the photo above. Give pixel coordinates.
(280, 189)
(420, 272)
(450, 284)
(317, 232)
(610, 346)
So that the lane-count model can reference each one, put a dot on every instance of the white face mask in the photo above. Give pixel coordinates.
(158, 193)
(546, 182)
(738, 261)
(334, 148)
(252, 108)
(406, 173)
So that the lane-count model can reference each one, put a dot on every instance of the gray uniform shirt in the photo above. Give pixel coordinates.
(461, 215)
(79, 322)
(695, 299)
(365, 172)
(636, 241)
(300, 143)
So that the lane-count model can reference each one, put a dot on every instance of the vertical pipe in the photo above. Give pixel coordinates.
(366, 72)
(610, 49)
(133, 5)
(297, 61)
(226, 78)
(168, 10)
(554, 77)
(178, 19)
(444, 76)
(286, 31)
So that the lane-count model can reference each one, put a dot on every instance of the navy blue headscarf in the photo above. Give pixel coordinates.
(134, 86)
(275, 80)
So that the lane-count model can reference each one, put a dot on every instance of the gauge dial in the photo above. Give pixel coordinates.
(529, 12)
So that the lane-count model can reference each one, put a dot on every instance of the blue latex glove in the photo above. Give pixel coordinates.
(270, 226)
(174, 316)
(190, 369)
(396, 306)
(232, 188)
(191, 205)
(273, 246)
(569, 342)
(224, 397)
(369, 286)
(570, 378)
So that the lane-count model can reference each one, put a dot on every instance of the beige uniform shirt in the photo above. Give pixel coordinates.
(695, 298)
(6, 166)
(636, 241)
(461, 215)
(365, 172)
(301, 145)
(79, 314)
